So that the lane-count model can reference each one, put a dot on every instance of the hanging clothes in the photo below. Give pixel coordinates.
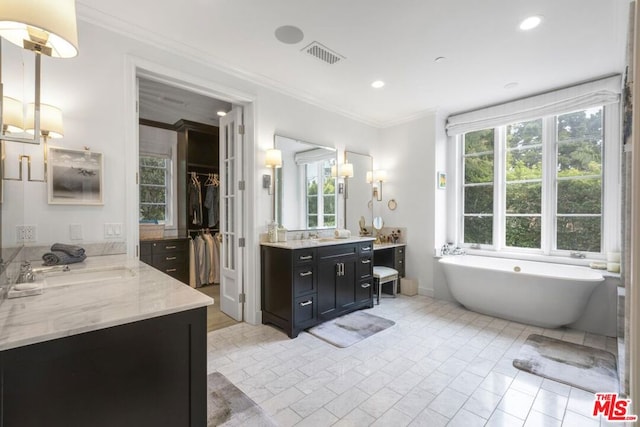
(195, 200)
(201, 276)
(212, 199)
(192, 264)
(211, 255)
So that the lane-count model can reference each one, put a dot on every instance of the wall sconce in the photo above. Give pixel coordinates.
(344, 171)
(50, 127)
(46, 28)
(273, 160)
(377, 178)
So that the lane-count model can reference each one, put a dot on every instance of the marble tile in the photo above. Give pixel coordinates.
(465, 418)
(502, 419)
(312, 402)
(414, 402)
(346, 402)
(379, 403)
(482, 403)
(538, 419)
(355, 418)
(466, 382)
(516, 403)
(319, 418)
(496, 383)
(551, 404)
(448, 402)
(429, 418)
(393, 380)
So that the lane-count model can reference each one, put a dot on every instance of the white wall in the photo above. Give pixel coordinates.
(91, 91)
(407, 153)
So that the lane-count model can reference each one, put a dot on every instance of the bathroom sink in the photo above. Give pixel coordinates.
(84, 277)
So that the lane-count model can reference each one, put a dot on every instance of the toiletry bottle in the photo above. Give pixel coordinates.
(272, 232)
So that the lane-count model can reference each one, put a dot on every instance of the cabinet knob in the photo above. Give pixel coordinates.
(306, 303)
(306, 273)
(365, 285)
(169, 247)
(366, 261)
(170, 270)
(170, 258)
(366, 248)
(305, 257)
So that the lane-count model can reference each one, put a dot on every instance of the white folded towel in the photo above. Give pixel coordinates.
(342, 234)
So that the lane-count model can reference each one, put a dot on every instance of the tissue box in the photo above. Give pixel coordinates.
(408, 287)
(151, 231)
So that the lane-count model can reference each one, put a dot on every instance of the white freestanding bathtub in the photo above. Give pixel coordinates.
(535, 293)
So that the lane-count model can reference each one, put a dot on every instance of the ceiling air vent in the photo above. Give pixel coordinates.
(323, 53)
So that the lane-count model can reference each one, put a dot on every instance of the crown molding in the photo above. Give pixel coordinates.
(160, 41)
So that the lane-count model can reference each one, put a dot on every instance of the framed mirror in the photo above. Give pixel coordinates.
(358, 193)
(306, 192)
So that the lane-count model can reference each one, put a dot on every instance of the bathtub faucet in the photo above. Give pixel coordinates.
(458, 251)
(576, 254)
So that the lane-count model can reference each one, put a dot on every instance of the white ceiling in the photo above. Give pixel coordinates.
(168, 104)
(395, 41)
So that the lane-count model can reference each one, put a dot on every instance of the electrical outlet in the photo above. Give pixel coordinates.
(26, 233)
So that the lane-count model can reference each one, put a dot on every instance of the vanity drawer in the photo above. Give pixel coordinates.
(400, 260)
(364, 290)
(305, 310)
(365, 267)
(170, 246)
(366, 248)
(304, 280)
(304, 256)
(337, 251)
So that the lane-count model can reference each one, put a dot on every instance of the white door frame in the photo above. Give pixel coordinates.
(139, 67)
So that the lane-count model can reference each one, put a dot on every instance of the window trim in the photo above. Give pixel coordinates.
(611, 197)
(169, 186)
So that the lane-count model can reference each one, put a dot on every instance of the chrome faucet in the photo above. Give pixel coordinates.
(449, 249)
(576, 254)
(26, 274)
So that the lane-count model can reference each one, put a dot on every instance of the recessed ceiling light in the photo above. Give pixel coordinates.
(530, 23)
(289, 34)
(439, 59)
(511, 85)
(377, 84)
(222, 113)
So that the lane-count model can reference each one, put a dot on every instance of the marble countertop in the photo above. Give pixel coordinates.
(388, 245)
(324, 241)
(98, 299)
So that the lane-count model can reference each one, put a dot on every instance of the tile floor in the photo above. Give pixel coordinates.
(439, 365)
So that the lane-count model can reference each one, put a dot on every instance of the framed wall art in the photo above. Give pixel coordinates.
(75, 177)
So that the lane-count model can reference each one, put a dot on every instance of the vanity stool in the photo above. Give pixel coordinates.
(382, 275)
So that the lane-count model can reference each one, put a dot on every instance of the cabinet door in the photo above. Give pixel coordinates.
(345, 284)
(327, 280)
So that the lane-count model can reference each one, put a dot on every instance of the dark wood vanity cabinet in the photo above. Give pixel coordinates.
(303, 287)
(171, 256)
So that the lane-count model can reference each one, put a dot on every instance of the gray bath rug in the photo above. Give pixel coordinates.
(350, 328)
(228, 406)
(588, 368)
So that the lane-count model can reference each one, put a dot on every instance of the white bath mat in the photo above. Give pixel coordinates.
(576, 365)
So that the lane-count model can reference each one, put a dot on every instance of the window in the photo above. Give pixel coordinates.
(536, 185)
(320, 195)
(155, 189)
